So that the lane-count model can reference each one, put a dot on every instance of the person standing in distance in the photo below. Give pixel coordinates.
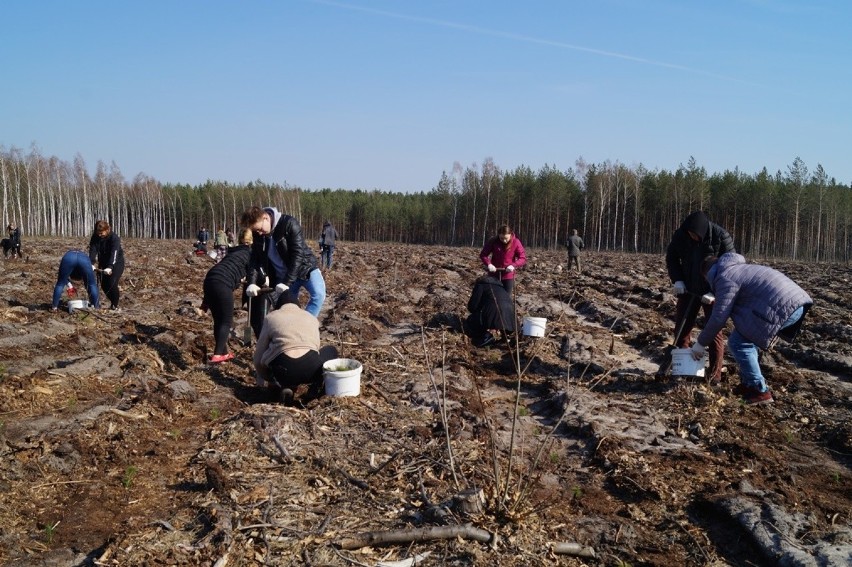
(503, 254)
(106, 255)
(697, 238)
(279, 251)
(575, 244)
(327, 240)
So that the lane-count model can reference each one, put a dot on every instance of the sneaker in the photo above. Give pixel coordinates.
(220, 358)
(758, 398)
(752, 396)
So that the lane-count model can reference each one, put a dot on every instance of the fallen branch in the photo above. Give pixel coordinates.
(408, 562)
(127, 414)
(415, 535)
(573, 549)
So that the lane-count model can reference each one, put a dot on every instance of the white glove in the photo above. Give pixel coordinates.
(510, 268)
(708, 299)
(252, 290)
(679, 288)
(108, 271)
(281, 288)
(698, 351)
(491, 268)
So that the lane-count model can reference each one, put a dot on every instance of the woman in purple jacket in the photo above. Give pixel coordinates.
(763, 304)
(503, 254)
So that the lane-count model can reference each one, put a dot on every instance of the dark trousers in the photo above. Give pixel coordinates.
(326, 255)
(109, 283)
(716, 348)
(574, 260)
(307, 369)
(508, 284)
(220, 299)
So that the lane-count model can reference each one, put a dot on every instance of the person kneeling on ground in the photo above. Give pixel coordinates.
(491, 308)
(288, 350)
(763, 304)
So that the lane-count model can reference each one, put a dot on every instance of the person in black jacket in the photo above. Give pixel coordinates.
(107, 256)
(491, 308)
(279, 252)
(219, 285)
(696, 239)
(12, 244)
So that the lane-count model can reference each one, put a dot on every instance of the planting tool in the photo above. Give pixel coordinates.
(247, 329)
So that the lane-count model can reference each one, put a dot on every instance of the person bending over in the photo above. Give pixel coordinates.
(75, 265)
(288, 350)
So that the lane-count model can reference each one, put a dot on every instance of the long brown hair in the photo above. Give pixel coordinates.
(102, 228)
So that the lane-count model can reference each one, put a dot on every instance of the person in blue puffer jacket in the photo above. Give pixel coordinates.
(763, 305)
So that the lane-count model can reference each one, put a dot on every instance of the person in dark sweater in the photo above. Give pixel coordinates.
(219, 285)
(106, 255)
(696, 239)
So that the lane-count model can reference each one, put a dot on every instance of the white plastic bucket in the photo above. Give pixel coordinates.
(534, 326)
(77, 304)
(342, 377)
(684, 365)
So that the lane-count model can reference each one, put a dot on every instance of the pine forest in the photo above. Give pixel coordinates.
(798, 214)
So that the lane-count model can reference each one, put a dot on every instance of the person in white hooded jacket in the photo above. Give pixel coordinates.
(763, 305)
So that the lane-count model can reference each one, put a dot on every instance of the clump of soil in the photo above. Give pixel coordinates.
(122, 446)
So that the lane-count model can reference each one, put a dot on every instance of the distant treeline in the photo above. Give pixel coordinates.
(795, 214)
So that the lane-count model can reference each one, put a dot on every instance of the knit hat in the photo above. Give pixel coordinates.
(698, 223)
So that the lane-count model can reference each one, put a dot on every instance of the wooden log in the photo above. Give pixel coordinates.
(414, 535)
(573, 548)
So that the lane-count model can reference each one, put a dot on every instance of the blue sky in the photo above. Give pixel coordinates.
(388, 94)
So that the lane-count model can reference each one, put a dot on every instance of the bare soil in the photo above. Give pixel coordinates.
(121, 446)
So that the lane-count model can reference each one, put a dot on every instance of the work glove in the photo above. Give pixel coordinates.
(70, 289)
(491, 268)
(252, 290)
(698, 351)
(679, 288)
(281, 288)
(108, 271)
(510, 268)
(708, 299)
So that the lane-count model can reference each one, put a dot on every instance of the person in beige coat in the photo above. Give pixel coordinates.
(288, 351)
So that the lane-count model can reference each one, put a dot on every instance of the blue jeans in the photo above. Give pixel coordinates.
(746, 355)
(76, 264)
(315, 285)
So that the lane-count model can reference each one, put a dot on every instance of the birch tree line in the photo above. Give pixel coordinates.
(797, 213)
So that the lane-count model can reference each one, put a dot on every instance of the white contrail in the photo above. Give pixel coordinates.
(527, 39)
